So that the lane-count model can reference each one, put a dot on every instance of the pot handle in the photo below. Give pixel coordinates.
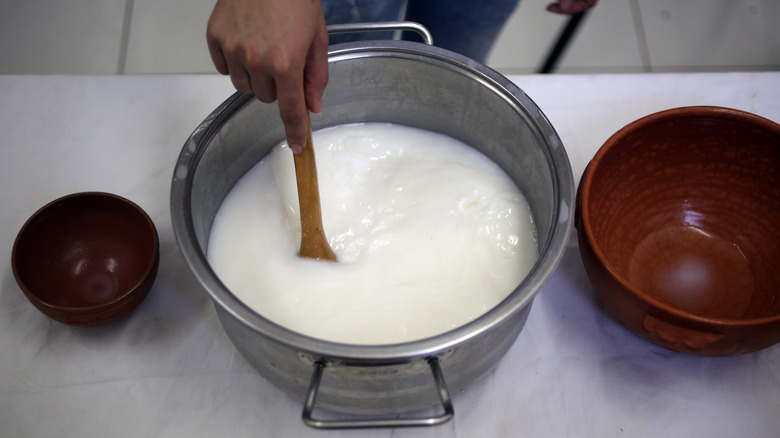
(441, 388)
(388, 25)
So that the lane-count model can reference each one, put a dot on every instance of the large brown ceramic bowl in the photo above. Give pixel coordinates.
(679, 229)
(87, 259)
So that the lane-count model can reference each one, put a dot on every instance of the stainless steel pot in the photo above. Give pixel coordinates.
(410, 84)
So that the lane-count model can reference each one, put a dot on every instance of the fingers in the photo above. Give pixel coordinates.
(257, 81)
(217, 57)
(224, 51)
(301, 91)
(293, 110)
(263, 87)
(316, 70)
(277, 50)
(272, 75)
(565, 5)
(239, 76)
(570, 7)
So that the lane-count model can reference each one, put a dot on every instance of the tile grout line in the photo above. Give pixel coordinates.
(125, 37)
(639, 28)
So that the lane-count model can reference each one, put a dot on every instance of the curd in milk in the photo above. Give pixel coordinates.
(429, 235)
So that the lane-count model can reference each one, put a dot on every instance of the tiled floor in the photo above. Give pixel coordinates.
(168, 36)
(649, 36)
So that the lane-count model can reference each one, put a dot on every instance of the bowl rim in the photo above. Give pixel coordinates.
(587, 220)
(117, 301)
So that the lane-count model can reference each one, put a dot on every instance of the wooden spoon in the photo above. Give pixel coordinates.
(314, 244)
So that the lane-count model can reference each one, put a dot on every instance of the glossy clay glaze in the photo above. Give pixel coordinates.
(680, 229)
(429, 235)
(87, 259)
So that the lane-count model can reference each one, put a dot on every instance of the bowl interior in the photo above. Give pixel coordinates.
(685, 206)
(84, 250)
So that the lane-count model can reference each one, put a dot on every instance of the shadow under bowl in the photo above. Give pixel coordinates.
(87, 259)
(679, 229)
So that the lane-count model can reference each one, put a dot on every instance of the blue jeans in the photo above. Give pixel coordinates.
(468, 27)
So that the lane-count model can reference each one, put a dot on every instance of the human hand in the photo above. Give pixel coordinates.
(274, 49)
(570, 7)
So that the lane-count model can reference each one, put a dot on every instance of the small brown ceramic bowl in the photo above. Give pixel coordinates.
(87, 259)
(679, 229)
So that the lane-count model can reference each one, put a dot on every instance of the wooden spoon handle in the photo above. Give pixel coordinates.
(314, 244)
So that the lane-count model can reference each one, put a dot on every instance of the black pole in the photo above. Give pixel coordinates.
(562, 42)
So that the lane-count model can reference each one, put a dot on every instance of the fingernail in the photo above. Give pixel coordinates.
(296, 148)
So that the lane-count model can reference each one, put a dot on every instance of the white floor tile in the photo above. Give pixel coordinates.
(525, 39)
(712, 34)
(606, 39)
(169, 37)
(55, 36)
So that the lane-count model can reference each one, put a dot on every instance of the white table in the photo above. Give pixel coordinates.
(169, 370)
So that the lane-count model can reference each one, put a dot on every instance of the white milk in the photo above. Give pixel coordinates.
(429, 235)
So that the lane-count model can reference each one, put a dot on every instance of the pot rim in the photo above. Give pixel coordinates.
(550, 252)
(587, 220)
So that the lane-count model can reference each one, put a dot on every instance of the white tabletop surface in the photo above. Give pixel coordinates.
(168, 370)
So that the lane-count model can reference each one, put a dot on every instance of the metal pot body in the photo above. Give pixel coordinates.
(396, 82)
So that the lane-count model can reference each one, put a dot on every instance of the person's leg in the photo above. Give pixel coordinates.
(468, 27)
(360, 11)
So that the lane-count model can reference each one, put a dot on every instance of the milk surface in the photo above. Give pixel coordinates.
(429, 235)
